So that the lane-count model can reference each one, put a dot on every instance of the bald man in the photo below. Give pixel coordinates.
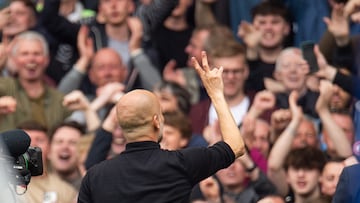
(146, 173)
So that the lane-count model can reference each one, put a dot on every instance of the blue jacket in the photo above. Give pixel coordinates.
(348, 188)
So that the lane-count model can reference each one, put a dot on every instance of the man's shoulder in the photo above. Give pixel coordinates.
(353, 169)
(7, 80)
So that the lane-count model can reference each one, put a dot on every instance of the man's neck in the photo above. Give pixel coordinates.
(118, 32)
(270, 55)
(235, 100)
(312, 197)
(33, 89)
(233, 191)
(70, 176)
(176, 23)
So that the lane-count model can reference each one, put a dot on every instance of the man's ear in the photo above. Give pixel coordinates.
(156, 121)
(287, 29)
(183, 142)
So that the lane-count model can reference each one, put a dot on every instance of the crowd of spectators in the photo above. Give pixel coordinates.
(64, 64)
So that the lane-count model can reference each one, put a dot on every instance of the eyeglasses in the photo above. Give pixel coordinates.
(235, 72)
(294, 65)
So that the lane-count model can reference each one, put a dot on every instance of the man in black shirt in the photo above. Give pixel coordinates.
(146, 173)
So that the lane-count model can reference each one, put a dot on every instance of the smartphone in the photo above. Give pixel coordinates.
(307, 49)
(4, 4)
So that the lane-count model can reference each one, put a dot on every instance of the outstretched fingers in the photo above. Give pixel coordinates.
(205, 62)
(197, 66)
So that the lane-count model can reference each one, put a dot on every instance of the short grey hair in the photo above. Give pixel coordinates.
(30, 36)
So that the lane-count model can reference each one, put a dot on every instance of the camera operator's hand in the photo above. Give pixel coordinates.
(7, 105)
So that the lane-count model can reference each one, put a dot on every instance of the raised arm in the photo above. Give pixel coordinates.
(282, 147)
(335, 133)
(148, 73)
(72, 80)
(59, 26)
(213, 83)
(76, 100)
(154, 14)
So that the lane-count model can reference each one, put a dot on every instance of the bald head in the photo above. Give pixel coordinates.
(272, 199)
(140, 116)
(107, 66)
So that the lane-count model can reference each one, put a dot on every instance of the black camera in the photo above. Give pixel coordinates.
(22, 160)
(27, 165)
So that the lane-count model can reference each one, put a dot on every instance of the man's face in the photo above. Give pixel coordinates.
(167, 100)
(261, 138)
(234, 75)
(172, 139)
(233, 176)
(305, 135)
(339, 99)
(274, 29)
(346, 124)
(303, 181)
(30, 60)
(292, 70)
(196, 45)
(64, 153)
(330, 177)
(115, 12)
(21, 19)
(107, 67)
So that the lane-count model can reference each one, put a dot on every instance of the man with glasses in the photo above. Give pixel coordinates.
(230, 55)
(291, 70)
